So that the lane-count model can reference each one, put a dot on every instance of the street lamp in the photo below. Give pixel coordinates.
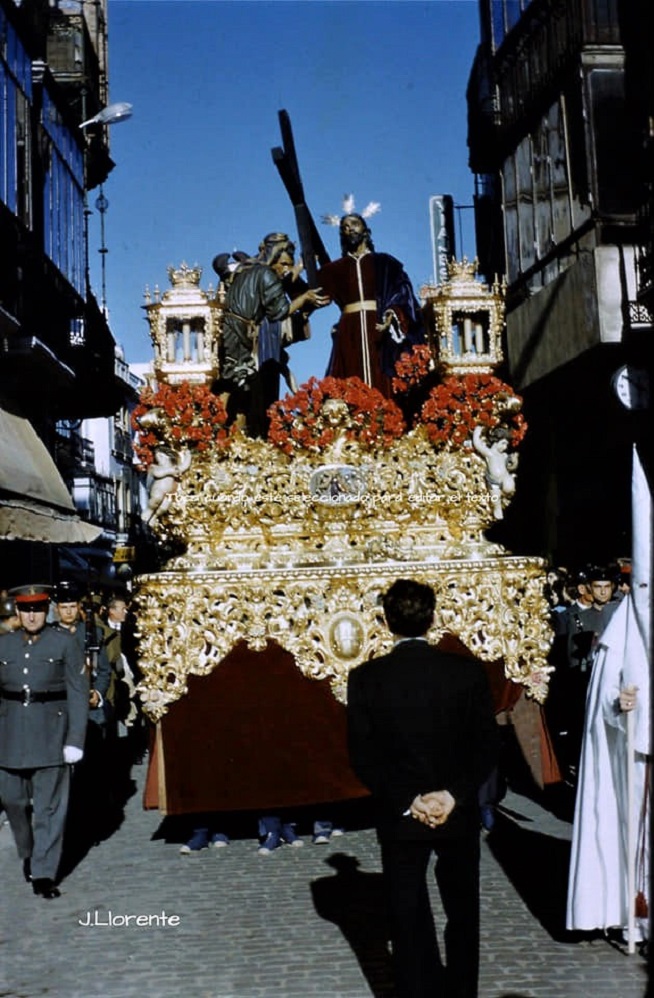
(110, 115)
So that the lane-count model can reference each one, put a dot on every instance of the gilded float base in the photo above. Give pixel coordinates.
(330, 619)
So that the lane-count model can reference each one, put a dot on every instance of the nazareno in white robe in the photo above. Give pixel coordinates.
(597, 886)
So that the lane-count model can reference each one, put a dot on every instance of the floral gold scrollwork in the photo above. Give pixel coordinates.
(253, 506)
(330, 619)
(297, 549)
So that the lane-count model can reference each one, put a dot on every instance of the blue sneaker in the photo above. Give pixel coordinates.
(219, 840)
(289, 836)
(271, 842)
(199, 840)
(322, 832)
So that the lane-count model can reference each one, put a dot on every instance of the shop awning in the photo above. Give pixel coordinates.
(35, 504)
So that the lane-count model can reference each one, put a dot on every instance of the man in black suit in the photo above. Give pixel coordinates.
(423, 737)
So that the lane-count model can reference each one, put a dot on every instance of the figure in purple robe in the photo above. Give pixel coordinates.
(380, 316)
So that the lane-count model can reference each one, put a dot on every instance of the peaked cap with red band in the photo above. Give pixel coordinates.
(28, 596)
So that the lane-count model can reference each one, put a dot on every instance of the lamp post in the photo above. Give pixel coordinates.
(109, 115)
(102, 204)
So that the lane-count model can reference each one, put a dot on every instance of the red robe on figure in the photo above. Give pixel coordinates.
(364, 288)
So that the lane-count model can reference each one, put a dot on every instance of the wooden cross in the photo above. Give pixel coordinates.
(313, 251)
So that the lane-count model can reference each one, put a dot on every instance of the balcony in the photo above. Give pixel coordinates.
(74, 63)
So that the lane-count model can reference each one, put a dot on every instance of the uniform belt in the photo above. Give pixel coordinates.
(361, 306)
(26, 696)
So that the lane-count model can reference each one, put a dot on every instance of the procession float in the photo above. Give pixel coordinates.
(279, 549)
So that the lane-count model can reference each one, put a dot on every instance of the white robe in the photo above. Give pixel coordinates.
(597, 887)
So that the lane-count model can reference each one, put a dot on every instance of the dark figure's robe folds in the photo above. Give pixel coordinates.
(254, 294)
(364, 288)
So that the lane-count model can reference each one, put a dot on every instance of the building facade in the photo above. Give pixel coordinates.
(556, 146)
(57, 352)
(96, 457)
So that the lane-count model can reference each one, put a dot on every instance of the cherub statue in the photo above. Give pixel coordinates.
(168, 466)
(500, 465)
(336, 414)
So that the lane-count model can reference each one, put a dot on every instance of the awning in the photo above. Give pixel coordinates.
(35, 504)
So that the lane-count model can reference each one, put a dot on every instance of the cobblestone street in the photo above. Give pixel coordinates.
(299, 922)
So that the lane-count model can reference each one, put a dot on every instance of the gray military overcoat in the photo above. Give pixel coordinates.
(33, 736)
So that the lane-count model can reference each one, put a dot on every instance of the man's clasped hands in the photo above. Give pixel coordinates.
(432, 809)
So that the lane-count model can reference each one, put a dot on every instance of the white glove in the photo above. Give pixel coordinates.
(72, 754)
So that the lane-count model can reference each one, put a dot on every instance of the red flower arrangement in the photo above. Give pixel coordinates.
(412, 368)
(183, 415)
(299, 422)
(454, 407)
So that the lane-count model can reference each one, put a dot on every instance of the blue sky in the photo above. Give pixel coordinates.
(376, 95)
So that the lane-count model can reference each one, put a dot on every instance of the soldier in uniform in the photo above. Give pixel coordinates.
(44, 704)
(67, 598)
(578, 630)
(89, 794)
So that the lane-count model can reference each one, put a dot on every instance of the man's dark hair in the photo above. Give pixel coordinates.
(119, 596)
(409, 608)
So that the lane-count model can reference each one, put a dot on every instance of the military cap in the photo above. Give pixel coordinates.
(67, 591)
(37, 596)
(600, 573)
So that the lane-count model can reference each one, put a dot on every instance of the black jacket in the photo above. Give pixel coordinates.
(421, 720)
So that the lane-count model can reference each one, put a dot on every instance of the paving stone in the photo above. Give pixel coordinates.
(249, 926)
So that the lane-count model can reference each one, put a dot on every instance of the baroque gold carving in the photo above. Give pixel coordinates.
(330, 619)
(253, 506)
(272, 553)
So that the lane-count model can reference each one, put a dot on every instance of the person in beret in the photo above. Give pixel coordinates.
(44, 703)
